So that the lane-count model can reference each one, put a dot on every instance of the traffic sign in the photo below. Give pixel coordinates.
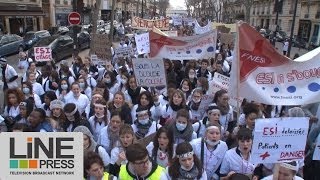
(74, 18)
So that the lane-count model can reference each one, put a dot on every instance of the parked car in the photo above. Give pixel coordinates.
(32, 37)
(10, 44)
(61, 46)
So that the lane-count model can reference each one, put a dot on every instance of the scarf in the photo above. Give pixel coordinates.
(113, 137)
(134, 94)
(192, 174)
(186, 134)
(224, 109)
(194, 106)
(143, 129)
(176, 107)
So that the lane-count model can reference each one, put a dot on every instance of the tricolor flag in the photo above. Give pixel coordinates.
(262, 74)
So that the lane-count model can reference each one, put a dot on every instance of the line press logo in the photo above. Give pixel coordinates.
(42, 155)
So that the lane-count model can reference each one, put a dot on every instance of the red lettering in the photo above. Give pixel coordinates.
(292, 155)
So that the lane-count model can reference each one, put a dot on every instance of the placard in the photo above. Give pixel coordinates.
(149, 72)
(227, 38)
(279, 139)
(123, 51)
(101, 46)
(42, 54)
(218, 82)
(96, 61)
(143, 44)
(177, 20)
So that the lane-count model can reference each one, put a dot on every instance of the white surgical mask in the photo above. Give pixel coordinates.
(180, 126)
(196, 100)
(182, 167)
(64, 86)
(81, 85)
(26, 90)
(184, 89)
(211, 143)
(123, 81)
(144, 121)
(99, 117)
(191, 76)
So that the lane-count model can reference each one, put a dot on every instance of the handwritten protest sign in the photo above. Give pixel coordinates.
(123, 51)
(188, 21)
(218, 82)
(227, 38)
(279, 139)
(139, 23)
(183, 48)
(95, 60)
(223, 29)
(42, 53)
(149, 72)
(101, 46)
(316, 154)
(143, 44)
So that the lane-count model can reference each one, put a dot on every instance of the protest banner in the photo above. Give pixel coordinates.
(201, 30)
(177, 20)
(266, 76)
(316, 153)
(183, 48)
(279, 139)
(101, 46)
(123, 51)
(96, 61)
(149, 72)
(142, 42)
(42, 54)
(227, 38)
(139, 23)
(171, 33)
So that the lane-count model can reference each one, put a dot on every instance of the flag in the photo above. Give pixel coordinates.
(260, 73)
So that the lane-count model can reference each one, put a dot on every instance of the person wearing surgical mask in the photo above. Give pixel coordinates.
(111, 82)
(123, 81)
(210, 150)
(84, 88)
(186, 164)
(63, 90)
(144, 126)
(37, 87)
(182, 127)
(191, 75)
(194, 104)
(73, 118)
(28, 92)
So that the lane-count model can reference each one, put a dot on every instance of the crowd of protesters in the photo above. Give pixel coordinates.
(132, 132)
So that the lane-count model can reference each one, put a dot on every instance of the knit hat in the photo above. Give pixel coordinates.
(87, 132)
(213, 106)
(56, 104)
(64, 62)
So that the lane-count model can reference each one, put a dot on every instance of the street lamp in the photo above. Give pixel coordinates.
(292, 27)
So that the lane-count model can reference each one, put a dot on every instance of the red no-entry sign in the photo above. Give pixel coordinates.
(74, 18)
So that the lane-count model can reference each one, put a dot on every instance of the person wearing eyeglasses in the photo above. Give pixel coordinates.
(140, 166)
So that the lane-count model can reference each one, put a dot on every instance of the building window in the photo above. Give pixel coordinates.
(65, 2)
(57, 1)
(33, 0)
(289, 25)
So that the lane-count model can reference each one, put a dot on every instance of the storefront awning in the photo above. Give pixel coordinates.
(21, 13)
